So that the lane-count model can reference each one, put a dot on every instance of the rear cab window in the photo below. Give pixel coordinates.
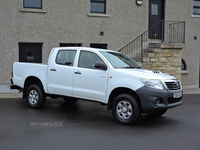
(66, 57)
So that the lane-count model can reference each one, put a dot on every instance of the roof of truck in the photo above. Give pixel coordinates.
(85, 48)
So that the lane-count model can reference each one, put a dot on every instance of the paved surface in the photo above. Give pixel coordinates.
(192, 91)
(88, 125)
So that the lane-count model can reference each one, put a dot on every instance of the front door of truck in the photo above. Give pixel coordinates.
(89, 82)
(61, 72)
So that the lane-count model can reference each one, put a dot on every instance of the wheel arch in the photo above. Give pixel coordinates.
(118, 91)
(29, 81)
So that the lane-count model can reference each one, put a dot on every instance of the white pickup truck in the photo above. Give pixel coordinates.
(103, 76)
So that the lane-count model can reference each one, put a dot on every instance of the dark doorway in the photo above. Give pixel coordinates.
(70, 44)
(30, 52)
(101, 46)
(156, 15)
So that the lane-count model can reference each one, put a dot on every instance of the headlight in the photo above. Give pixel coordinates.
(153, 83)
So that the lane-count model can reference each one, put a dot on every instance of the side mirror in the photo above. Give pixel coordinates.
(100, 65)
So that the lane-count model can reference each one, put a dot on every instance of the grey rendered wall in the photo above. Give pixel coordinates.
(66, 21)
(182, 10)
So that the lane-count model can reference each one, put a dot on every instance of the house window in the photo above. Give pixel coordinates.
(98, 6)
(70, 44)
(33, 4)
(196, 7)
(30, 52)
(101, 46)
(183, 65)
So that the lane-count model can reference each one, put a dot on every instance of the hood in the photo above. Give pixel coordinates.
(143, 73)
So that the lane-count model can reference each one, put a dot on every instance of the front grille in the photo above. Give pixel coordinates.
(175, 85)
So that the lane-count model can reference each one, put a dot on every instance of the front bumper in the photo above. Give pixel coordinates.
(156, 99)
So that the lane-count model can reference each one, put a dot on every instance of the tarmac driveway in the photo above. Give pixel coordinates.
(88, 125)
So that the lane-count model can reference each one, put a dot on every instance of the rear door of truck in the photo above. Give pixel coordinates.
(61, 72)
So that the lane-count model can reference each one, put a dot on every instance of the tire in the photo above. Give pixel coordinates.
(158, 113)
(70, 100)
(125, 109)
(35, 96)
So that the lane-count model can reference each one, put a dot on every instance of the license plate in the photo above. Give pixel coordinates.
(177, 94)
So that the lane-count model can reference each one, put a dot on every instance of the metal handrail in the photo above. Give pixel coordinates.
(133, 39)
(162, 31)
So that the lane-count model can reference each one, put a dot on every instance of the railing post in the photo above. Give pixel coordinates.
(162, 31)
(184, 34)
(142, 47)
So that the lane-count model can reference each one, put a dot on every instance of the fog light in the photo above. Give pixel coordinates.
(177, 94)
(158, 100)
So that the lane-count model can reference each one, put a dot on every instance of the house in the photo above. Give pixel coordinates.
(31, 28)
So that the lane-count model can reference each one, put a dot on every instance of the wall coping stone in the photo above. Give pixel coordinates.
(172, 45)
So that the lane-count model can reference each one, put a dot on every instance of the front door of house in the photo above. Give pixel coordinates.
(156, 14)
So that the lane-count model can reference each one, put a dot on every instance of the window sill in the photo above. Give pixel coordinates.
(32, 10)
(196, 16)
(98, 15)
(184, 72)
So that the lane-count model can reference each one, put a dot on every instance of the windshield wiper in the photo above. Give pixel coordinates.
(138, 67)
(128, 67)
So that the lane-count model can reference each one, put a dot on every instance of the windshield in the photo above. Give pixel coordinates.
(119, 60)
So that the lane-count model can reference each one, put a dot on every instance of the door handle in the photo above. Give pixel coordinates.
(53, 69)
(78, 72)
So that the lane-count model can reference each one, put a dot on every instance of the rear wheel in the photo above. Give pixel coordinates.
(35, 96)
(125, 109)
(70, 100)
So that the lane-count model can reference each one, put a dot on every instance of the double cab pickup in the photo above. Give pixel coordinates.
(104, 76)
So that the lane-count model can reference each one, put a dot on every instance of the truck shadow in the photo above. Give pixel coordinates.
(154, 122)
(89, 112)
(92, 114)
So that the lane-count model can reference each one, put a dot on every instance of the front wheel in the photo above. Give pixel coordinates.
(35, 96)
(125, 109)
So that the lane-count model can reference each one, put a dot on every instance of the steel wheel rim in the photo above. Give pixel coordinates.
(124, 110)
(33, 97)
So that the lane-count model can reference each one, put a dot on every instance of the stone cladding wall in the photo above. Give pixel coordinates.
(165, 58)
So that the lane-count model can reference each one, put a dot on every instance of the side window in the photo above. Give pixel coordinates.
(88, 60)
(66, 57)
